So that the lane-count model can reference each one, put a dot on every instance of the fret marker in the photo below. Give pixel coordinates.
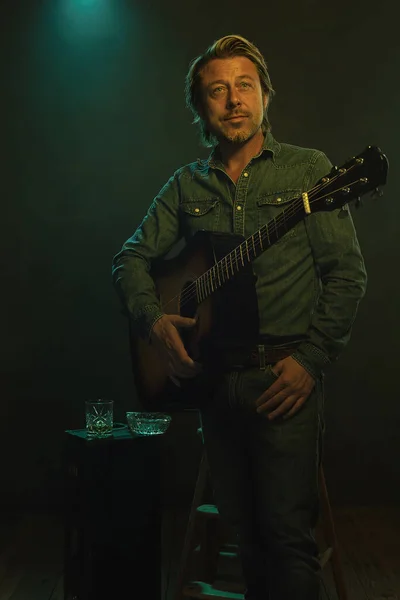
(306, 203)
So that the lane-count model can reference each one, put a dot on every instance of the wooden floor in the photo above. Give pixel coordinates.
(31, 561)
(31, 557)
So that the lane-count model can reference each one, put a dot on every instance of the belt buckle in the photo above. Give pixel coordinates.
(261, 356)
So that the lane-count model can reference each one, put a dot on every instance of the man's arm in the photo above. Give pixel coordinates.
(158, 232)
(341, 270)
(343, 278)
(154, 237)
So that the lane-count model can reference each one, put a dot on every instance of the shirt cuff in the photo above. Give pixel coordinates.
(312, 359)
(145, 319)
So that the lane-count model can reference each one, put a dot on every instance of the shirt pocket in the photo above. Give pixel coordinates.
(271, 205)
(198, 214)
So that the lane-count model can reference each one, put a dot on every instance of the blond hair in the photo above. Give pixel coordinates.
(228, 46)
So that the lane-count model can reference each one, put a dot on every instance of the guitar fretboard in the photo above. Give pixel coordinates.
(251, 248)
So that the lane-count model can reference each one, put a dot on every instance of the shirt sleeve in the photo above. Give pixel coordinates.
(341, 270)
(155, 236)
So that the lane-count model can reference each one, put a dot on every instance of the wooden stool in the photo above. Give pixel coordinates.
(205, 530)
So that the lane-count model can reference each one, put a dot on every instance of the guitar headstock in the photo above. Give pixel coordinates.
(358, 176)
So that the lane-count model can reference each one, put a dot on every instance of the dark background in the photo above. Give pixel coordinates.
(93, 124)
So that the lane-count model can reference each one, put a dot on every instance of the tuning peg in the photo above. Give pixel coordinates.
(377, 193)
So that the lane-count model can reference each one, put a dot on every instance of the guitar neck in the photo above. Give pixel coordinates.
(353, 179)
(250, 249)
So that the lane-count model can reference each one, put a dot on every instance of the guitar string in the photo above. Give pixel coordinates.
(229, 265)
(191, 291)
(211, 275)
(270, 228)
(250, 246)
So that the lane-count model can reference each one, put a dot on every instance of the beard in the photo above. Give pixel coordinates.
(238, 133)
(238, 137)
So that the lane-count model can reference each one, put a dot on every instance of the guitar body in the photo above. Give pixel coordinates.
(217, 319)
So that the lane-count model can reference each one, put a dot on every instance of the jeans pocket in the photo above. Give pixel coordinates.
(252, 383)
(270, 368)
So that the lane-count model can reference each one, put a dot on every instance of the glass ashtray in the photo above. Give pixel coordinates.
(148, 423)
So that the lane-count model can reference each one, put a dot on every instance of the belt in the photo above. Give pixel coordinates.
(256, 356)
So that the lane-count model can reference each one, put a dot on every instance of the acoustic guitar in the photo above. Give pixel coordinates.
(191, 283)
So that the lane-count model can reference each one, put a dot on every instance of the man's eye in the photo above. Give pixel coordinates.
(218, 89)
(245, 84)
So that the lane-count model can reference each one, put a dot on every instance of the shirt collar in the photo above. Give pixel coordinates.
(269, 145)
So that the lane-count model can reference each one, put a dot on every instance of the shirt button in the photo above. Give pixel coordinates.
(279, 199)
(245, 174)
(196, 210)
(238, 207)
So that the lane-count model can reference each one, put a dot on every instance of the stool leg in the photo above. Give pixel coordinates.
(210, 541)
(190, 530)
(330, 536)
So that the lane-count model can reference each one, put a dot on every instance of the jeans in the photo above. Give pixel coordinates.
(265, 480)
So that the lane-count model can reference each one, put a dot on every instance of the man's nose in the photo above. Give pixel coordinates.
(233, 98)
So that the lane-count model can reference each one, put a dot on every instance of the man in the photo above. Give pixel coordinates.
(262, 427)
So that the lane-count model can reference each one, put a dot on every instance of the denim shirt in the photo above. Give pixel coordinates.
(308, 284)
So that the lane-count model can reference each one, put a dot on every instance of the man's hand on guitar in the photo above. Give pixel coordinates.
(288, 393)
(165, 337)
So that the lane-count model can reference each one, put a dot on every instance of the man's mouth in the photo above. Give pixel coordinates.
(236, 117)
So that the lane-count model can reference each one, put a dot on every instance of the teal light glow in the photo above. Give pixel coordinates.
(85, 3)
(89, 18)
(81, 4)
